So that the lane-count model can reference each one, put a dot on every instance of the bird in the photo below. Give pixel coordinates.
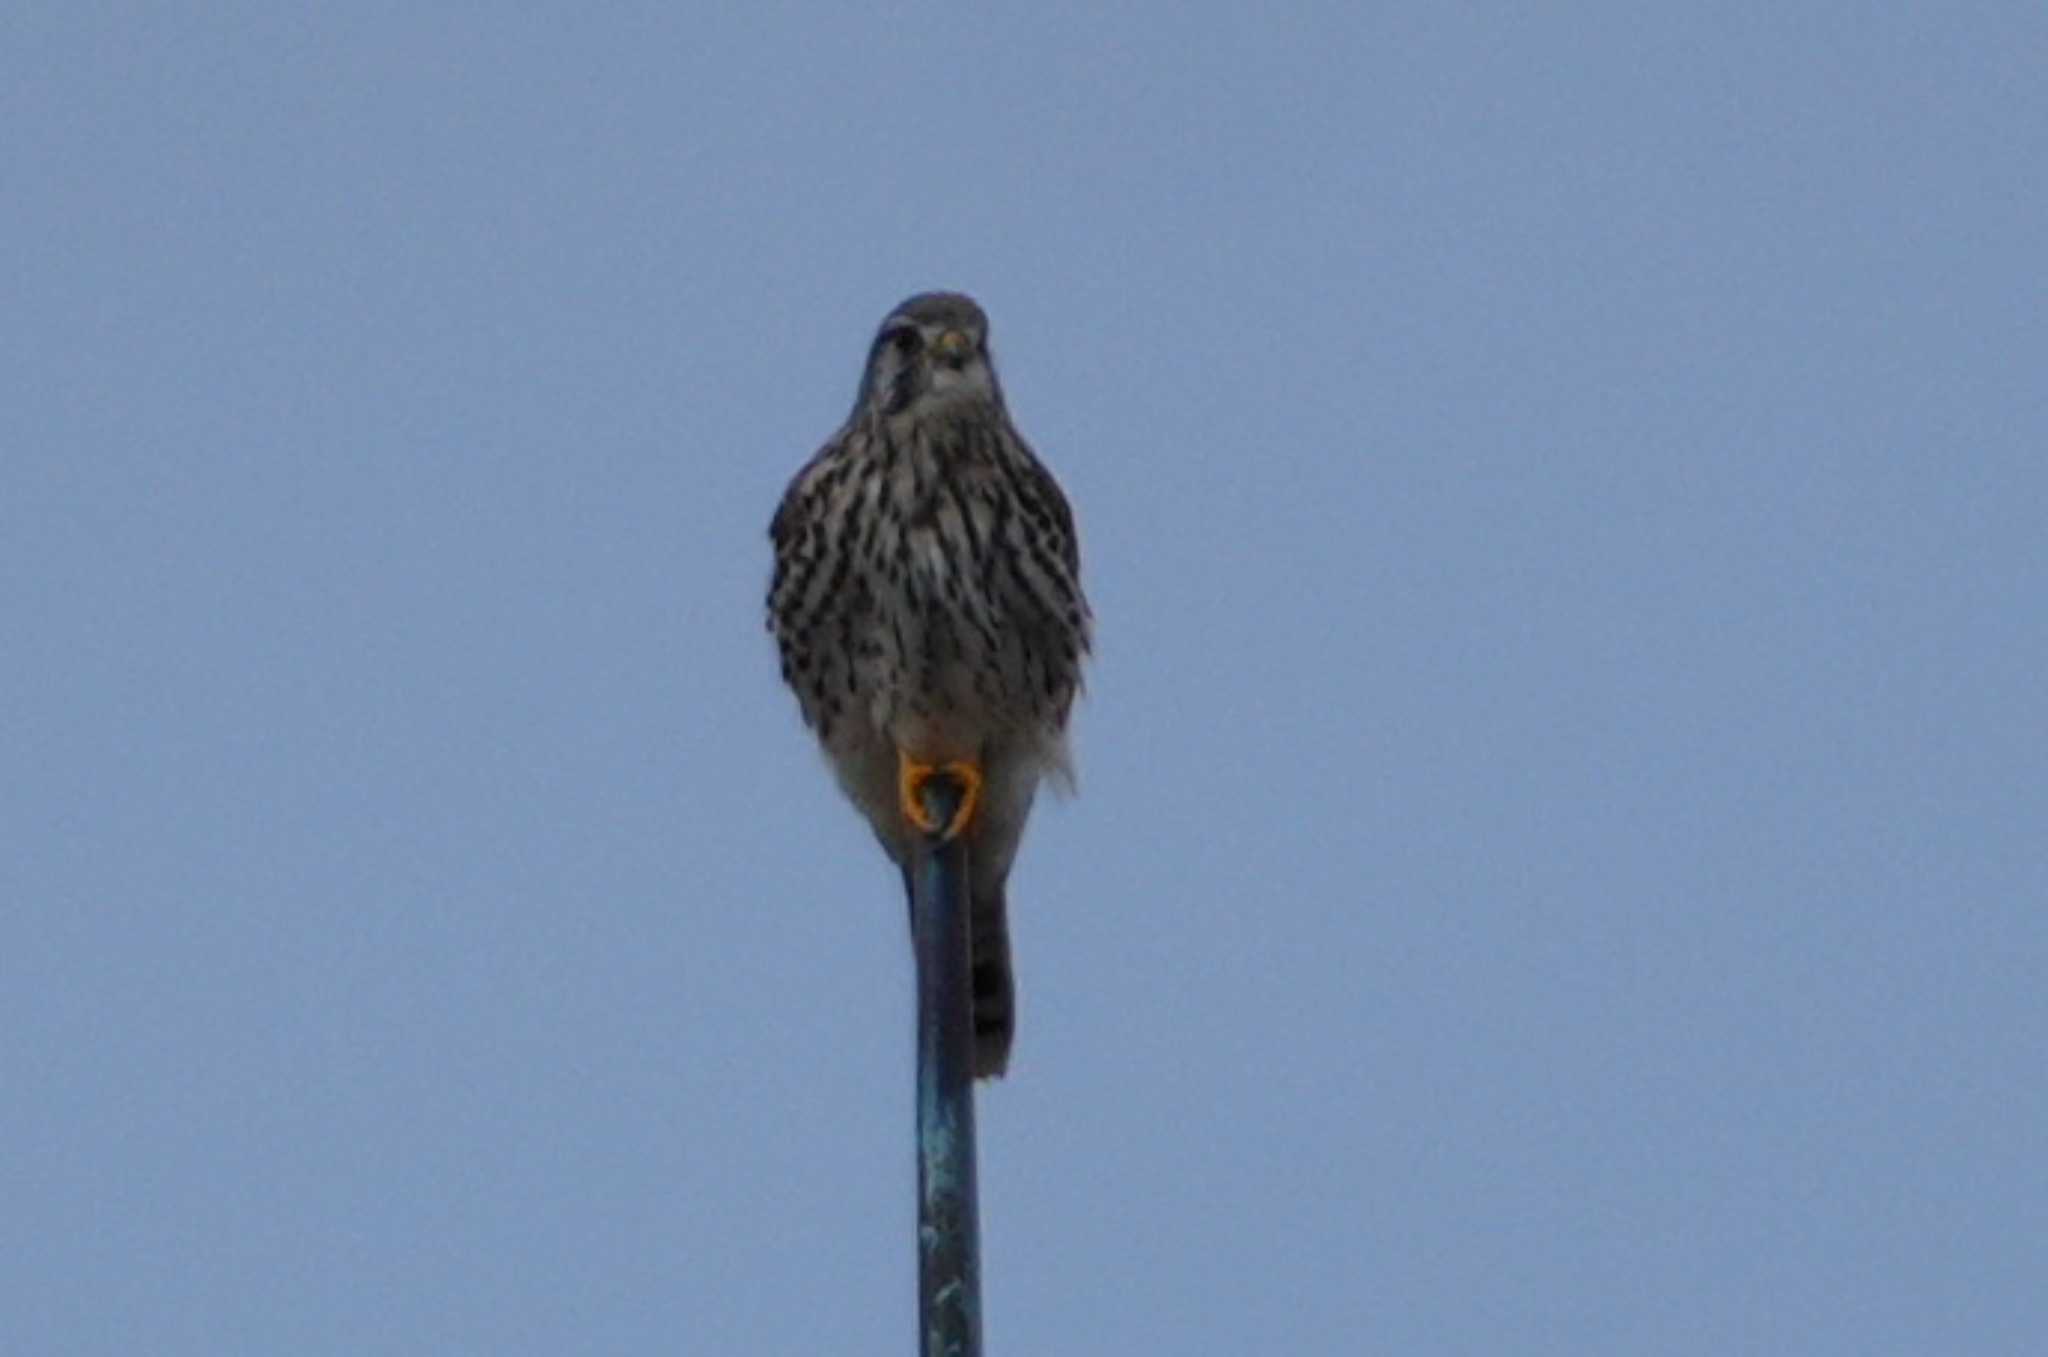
(927, 608)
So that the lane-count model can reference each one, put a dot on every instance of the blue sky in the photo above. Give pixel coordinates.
(1559, 862)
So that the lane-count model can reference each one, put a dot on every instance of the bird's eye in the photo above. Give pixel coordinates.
(905, 339)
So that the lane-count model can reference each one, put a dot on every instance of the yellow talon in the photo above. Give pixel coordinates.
(911, 777)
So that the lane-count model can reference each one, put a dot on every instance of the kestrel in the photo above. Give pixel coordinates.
(927, 604)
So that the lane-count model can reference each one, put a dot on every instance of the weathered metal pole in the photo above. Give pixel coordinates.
(948, 1224)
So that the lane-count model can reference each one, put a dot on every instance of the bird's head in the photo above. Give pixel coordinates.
(930, 353)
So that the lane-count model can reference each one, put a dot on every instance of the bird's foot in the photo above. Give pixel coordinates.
(910, 782)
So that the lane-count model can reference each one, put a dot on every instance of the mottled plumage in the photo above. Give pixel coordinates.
(927, 603)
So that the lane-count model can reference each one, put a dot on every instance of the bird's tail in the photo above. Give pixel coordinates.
(995, 996)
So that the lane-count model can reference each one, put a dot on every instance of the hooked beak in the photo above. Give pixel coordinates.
(953, 348)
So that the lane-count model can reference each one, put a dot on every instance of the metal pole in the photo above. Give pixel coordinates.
(948, 1227)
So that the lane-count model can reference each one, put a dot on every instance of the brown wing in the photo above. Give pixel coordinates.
(1062, 516)
(1051, 615)
(800, 593)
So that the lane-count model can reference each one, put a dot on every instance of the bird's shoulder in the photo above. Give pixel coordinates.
(812, 479)
(1047, 492)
